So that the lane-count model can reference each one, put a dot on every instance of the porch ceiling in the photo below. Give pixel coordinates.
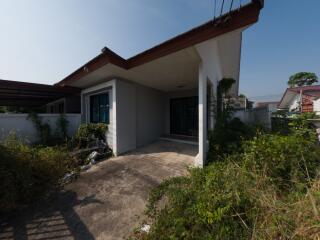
(170, 73)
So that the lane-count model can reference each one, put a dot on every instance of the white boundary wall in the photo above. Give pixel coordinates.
(261, 116)
(25, 130)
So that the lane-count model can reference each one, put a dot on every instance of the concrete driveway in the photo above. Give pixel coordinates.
(107, 201)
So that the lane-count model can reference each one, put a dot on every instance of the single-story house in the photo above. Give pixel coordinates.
(301, 99)
(168, 90)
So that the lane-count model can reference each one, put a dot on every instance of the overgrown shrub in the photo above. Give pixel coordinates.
(28, 174)
(46, 136)
(285, 124)
(288, 160)
(43, 129)
(227, 137)
(61, 128)
(228, 131)
(268, 191)
(88, 132)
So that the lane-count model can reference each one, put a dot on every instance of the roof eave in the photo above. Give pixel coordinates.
(236, 19)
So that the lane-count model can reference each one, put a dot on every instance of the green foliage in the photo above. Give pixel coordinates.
(302, 79)
(228, 132)
(43, 129)
(29, 174)
(227, 136)
(223, 87)
(3, 109)
(284, 159)
(268, 191)
(300, 124)
(62, 126)
(296, 124)
(45, 133)
(88, 132)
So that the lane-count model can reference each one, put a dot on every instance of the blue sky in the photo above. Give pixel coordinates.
(43, 41)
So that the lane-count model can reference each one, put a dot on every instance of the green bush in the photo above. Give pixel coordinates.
(270, 190)
(28, 174)
(43, 129)
(46, 137)
(88, 132)
(288, 160)
(207, 205)
(227, 137)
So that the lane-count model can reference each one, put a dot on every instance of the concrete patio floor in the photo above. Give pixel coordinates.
(107, 201)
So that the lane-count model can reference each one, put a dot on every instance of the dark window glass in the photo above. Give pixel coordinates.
(99, 108)
(61, 107)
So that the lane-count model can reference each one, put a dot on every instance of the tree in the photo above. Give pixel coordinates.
(223, 88)
(302, 79)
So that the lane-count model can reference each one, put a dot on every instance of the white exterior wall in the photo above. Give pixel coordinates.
(316, 106)
(294, 103)
(125, 117)
(209, 70)
(256, 116)
(25, 130)
(245, 116)
(150, 114)
(220, 58)
(136, 113)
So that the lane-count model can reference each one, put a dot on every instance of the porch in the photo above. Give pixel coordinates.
(171, 96)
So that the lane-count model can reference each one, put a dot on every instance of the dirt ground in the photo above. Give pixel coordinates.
(105, 202)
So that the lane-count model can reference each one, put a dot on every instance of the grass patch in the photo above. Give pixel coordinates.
(268, 190)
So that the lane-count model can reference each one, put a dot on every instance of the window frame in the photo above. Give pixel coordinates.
(107, 106)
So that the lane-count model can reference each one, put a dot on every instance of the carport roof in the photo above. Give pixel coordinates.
(13, 93)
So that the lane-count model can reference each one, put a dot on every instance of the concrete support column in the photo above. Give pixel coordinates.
(202, 155)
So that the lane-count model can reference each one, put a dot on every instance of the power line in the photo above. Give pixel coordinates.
(231, 5)
(214, 9)
(222, 8)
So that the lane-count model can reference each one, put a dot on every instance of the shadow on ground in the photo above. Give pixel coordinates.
(52, 221)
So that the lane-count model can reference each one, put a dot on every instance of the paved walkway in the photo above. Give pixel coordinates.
(106, 201)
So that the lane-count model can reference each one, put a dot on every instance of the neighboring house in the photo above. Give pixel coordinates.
(68, 104)
(29, 95)
(169, 89)
(301, 99)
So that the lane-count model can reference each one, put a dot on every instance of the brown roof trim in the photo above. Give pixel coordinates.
(236, 19)
(13, 93)
(22, 86)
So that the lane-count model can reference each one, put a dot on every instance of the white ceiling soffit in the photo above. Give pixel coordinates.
(167, 73)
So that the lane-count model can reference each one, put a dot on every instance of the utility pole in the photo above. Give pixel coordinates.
(300, 100)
